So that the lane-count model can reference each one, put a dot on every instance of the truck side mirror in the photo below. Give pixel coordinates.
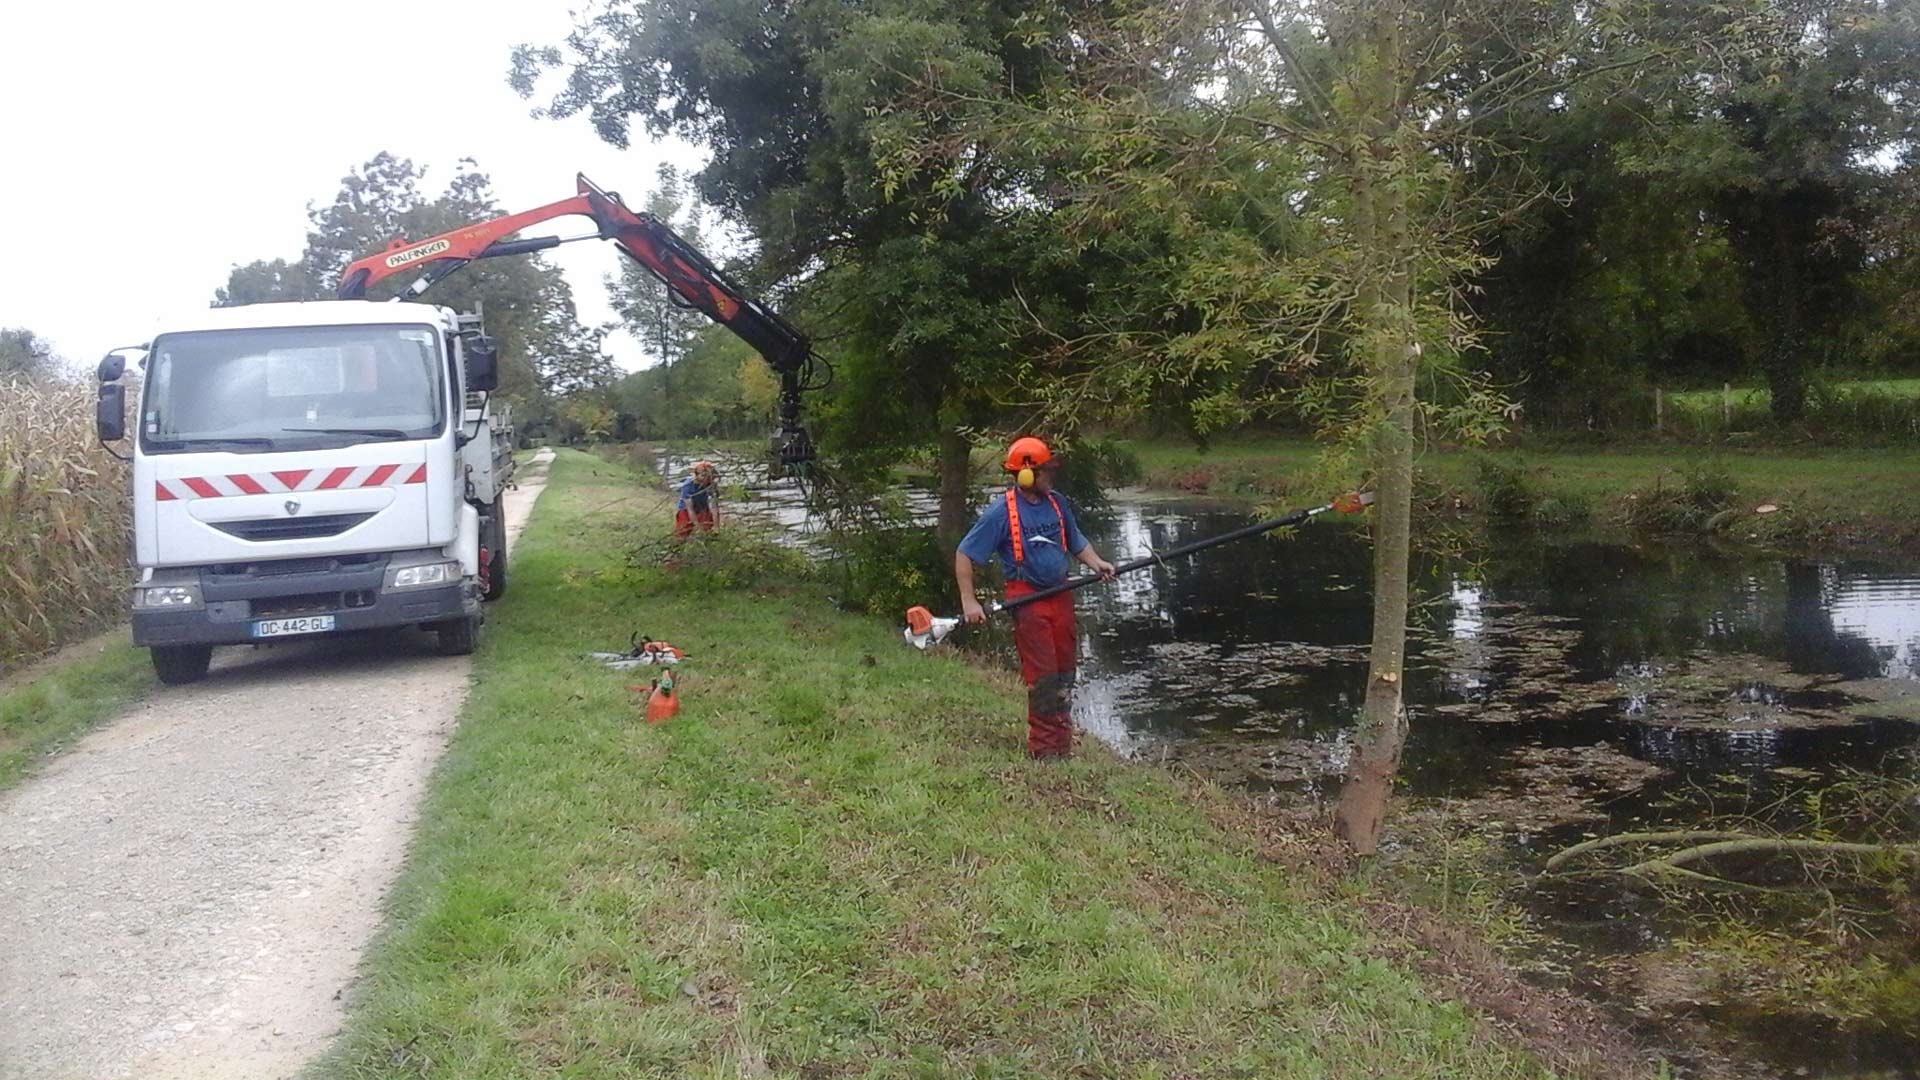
(110, 413)
(483, 363)
(112, 366)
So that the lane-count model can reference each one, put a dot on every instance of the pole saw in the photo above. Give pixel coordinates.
(925, 629)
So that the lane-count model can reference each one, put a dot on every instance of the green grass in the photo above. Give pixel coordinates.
(1861, 498)
(1760, 396)
(43, 714)
(835, 862)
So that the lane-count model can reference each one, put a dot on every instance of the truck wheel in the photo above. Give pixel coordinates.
(457, 636)
(178, 665)
(496, 536)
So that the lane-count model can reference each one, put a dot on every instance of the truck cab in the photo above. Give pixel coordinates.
(311, 468)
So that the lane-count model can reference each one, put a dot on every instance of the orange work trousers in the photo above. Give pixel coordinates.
(1049, 645)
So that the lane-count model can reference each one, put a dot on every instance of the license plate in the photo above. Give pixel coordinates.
(310, 624)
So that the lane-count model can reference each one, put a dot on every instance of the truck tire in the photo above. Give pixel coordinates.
(178, 665)
(495, 536)
(457, 636)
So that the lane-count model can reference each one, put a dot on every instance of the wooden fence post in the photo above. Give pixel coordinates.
(1659, 410)
(1726, 406)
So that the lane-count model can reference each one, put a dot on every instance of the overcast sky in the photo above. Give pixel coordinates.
(150, 146)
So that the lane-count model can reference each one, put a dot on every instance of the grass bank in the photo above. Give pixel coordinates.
(1827, 498)
(834, 862)
(1759, 397)
(44, 707)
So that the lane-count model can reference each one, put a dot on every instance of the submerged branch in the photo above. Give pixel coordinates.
(1704, 845)
(1620, 839)
(1756, 845)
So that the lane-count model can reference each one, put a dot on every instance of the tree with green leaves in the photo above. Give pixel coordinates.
(1803, 144)
(1716, 222)
(911, 280)
(25, 354)
(266, 281)
(1619, 281)
(1321, 166)
(721, 388)
(526, 302)
(646, 308)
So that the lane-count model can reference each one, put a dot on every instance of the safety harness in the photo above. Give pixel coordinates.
(1013, 524)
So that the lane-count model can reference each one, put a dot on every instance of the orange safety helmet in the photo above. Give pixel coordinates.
(704, 468)
(1026, 454)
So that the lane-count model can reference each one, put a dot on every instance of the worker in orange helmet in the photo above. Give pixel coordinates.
(1032, 531)
(697, 498)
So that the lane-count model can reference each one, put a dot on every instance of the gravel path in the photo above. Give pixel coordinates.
(186, 892)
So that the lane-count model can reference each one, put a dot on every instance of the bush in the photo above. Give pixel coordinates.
(1862, 412)
(1508, 492)
(1705, 489)
(725, 559)
(1563, 509)
(886, 571)
(64, 520)
(1514, 494)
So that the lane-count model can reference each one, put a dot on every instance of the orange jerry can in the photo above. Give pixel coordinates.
(664, 703)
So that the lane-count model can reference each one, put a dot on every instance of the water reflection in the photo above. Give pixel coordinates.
(1884, 611)
(1538, 643)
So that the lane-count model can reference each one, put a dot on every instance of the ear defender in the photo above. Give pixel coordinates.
(1024, 477)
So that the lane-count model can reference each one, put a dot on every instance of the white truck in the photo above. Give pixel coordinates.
(316, 467)
(308, 468)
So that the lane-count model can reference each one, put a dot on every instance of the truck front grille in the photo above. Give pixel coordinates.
(280, 607)
(280, 567)
(306, 528)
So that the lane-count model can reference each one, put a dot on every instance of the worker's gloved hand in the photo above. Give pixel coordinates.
(971, 610)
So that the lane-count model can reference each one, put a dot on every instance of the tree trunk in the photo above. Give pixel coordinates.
(956, 494)
(1786, 346)
(1787, 377)
(1383, 725)
(1386, 298)
(666, 363)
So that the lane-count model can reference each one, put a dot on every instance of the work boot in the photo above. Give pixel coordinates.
(1049, 736)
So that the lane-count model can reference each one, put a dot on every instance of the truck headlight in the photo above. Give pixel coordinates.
(415, 577)
(167, 596)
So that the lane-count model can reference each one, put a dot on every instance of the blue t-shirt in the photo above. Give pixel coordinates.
(693, 496)
(1045, 564)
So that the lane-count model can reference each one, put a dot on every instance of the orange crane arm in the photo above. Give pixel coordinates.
(692, 279)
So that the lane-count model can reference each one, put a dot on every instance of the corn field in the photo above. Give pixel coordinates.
(65, 521)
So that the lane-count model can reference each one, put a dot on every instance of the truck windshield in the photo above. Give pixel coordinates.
(292, 388)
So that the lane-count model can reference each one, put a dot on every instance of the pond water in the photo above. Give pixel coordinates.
(1559, 687)
(1687, 657)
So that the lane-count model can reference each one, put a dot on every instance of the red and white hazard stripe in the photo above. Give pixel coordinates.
(287, 481)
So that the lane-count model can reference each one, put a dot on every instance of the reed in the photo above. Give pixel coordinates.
(65, 520)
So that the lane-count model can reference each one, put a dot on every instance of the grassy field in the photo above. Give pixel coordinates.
(43, 708)
(1858, 499)
(1760, 397)
(835, 862)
